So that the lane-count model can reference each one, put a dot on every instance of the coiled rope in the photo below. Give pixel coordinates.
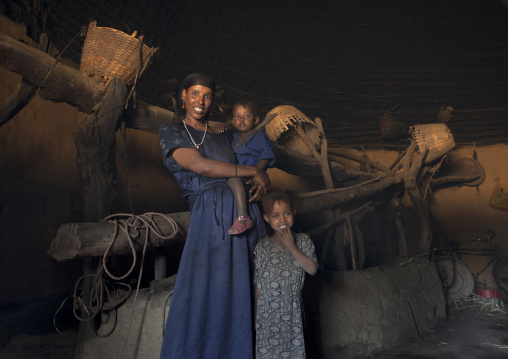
(132, 226)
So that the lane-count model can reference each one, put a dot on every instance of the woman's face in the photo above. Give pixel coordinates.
(198, 101)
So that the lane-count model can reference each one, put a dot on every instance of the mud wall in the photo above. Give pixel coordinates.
(463, 213)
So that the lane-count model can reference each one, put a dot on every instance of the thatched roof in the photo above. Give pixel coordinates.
(344, 61)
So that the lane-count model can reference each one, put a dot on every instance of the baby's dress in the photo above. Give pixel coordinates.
(256, 147)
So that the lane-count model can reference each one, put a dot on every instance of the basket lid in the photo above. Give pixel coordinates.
(436, 137)
(286, 116)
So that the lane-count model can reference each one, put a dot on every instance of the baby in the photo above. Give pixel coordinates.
(252, 148)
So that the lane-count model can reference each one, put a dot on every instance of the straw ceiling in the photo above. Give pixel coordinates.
(345, 61)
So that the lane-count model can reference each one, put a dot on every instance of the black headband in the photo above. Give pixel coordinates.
(198, 79)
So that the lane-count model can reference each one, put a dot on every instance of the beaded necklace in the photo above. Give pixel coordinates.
(204, 135)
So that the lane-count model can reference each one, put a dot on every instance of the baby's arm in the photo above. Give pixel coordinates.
(305, 262)
(262, 164)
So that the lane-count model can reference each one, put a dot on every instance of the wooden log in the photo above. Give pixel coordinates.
(57, 82)
(78, 240)
(309, 167)
(309, 202)
(22, 95)
(148, 118)
(346, 153)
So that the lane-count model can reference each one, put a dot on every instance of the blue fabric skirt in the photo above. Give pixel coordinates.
(210, 314)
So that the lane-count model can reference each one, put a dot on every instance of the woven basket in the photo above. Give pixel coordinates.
(109, 53)
(436, 137)
(281, 129)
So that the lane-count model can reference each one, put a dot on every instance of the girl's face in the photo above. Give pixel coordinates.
(198, 101)
(244, 119)
(281, 216)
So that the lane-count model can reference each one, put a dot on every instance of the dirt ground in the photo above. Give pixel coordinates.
(42, 346)
(475, 329)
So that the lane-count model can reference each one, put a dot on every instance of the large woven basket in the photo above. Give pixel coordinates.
(436, 137)
(281, 129)
(109, 53)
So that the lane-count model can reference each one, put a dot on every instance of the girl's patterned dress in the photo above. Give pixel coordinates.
(279, 277)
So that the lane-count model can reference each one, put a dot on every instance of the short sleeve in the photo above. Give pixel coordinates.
(307, 246)
(170, 137)
(263, 145)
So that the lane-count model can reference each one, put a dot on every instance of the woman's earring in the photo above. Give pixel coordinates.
(183, 105)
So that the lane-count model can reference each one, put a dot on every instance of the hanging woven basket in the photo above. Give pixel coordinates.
(109, 53)
(436, 137)
(281, 129)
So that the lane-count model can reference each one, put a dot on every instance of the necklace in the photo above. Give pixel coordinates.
(204, 135)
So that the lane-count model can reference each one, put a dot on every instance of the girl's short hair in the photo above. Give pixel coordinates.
(274, 196)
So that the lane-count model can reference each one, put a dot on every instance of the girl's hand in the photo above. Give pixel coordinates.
(286, 237)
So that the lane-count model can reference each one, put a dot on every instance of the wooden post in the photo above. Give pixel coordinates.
(96, 146)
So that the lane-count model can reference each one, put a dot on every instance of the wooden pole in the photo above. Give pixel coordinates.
(96, 146)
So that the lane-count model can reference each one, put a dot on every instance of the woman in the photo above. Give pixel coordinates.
(210, 314)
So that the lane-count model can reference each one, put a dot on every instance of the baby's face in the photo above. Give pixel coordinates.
(244, 119)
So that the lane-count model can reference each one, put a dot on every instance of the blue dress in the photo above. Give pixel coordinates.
(210, 314)
(256, 147)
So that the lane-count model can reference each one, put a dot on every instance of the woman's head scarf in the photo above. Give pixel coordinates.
(193, 80)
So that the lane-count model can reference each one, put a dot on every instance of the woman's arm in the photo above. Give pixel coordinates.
(192, 160)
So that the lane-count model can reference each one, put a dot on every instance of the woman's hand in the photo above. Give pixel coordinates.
(220, 128)
(260, 183)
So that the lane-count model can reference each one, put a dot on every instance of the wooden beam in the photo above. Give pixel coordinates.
(78, 240)
(57, 82)
(309, 167)
(309, 202)
(148, 118)
(25, 91)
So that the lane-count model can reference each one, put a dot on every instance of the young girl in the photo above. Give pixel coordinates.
(281, 261)
(252, 148)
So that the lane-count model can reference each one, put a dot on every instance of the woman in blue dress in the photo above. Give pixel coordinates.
(210, 313)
